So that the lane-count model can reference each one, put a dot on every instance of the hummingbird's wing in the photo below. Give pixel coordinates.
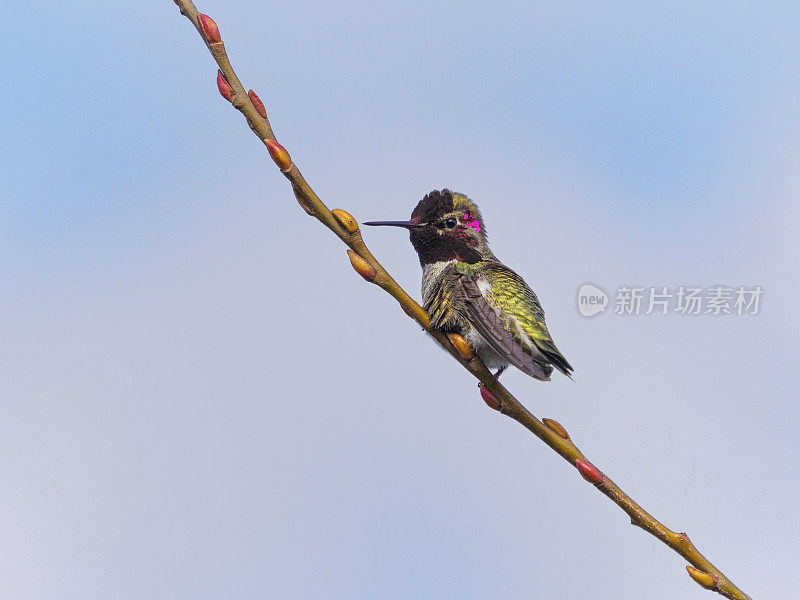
(507, 314)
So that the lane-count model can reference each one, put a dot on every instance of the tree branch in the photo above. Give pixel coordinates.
(494, 394)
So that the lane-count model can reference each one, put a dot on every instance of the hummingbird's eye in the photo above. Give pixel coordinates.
(450, 223)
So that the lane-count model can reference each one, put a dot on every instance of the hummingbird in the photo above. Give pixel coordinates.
(467, 290)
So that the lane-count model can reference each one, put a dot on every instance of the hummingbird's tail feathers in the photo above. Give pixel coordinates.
(560, 363)
(555, 357)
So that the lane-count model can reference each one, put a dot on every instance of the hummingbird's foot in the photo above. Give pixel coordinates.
(496, 376)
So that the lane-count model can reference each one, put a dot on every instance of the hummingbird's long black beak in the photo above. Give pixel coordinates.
(406, 224)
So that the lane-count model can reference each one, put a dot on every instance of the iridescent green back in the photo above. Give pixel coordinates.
(517, 305)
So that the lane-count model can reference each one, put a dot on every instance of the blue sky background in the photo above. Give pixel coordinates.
(200, 399)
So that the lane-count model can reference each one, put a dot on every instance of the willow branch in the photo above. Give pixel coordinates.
(345, 227)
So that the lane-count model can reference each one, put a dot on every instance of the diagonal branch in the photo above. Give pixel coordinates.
(493, 393)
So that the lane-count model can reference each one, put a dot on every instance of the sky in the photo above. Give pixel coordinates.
(200, 399)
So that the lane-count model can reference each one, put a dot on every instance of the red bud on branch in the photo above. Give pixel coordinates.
(257, 103)
(210, 29)
(589, 472)
(362, 267)
(556, 428)
(706, 580)
(279, 154)
(489, 398)
(346, 219)
(460, 344)
(225, 89)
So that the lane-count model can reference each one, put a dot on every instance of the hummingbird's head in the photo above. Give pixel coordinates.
(446, 226)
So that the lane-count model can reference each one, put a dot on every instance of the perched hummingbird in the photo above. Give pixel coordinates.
(467, 290)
